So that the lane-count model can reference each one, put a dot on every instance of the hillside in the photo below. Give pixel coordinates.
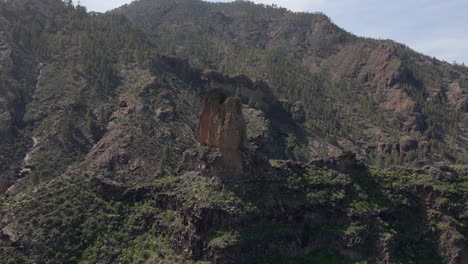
(359, 94)
(192, 132)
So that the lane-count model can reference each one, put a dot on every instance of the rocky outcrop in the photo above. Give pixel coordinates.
(222, 124)
(223, 131)
(228, 166)
(408, 143)
(458, 97)
(256, 93)
(295, 109)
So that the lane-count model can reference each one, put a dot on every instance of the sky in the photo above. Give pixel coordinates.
(438, 28)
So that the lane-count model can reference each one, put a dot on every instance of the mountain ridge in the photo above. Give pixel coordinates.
(106, 112)
(389, 80)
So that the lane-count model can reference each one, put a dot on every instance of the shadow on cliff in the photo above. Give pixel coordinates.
(255, 94)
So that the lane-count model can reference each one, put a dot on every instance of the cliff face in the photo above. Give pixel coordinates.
(353, 89)
(114, 153)
(222, 124)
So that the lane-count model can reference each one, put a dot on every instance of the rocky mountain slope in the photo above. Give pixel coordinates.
(361, 94)
(179, 136)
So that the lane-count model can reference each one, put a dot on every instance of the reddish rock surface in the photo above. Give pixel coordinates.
(222, 124)
(458, 97)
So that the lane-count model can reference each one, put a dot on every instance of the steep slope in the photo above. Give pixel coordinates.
(125, 204)
(21, 43)
(357, 93)
(58, 83)
(107, 131)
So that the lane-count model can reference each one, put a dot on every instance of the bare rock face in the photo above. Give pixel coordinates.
(222, 124)
(458, 97)
(223, 129)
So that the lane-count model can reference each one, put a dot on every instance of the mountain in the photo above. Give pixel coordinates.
(192, 132)
(360, 94)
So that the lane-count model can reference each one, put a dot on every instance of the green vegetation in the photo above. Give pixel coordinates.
(79, 77)
(319, 187)
(198, 192)
(72, 223)
(339, 103)
(318, 256)
(224, 239)
(275, 163)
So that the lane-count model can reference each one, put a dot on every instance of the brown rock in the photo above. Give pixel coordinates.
(458, 97)
(408, 143)
(11, 233)
(222, 124)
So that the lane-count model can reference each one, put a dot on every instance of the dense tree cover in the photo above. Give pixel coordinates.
(85, 227)
(91, 43)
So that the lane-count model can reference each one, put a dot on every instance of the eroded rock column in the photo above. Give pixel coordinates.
(222, 124)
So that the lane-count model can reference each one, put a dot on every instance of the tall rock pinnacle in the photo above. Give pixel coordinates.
(222, 124)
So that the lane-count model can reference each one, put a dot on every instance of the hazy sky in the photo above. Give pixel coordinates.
(434, 27)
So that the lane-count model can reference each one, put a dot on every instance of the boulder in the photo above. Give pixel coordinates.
(11, 233)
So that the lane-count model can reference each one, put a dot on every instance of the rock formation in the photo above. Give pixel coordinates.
(222, 124)
(223, 130)
(408, 143)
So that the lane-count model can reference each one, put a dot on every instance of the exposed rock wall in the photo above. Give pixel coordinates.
(222, 124)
